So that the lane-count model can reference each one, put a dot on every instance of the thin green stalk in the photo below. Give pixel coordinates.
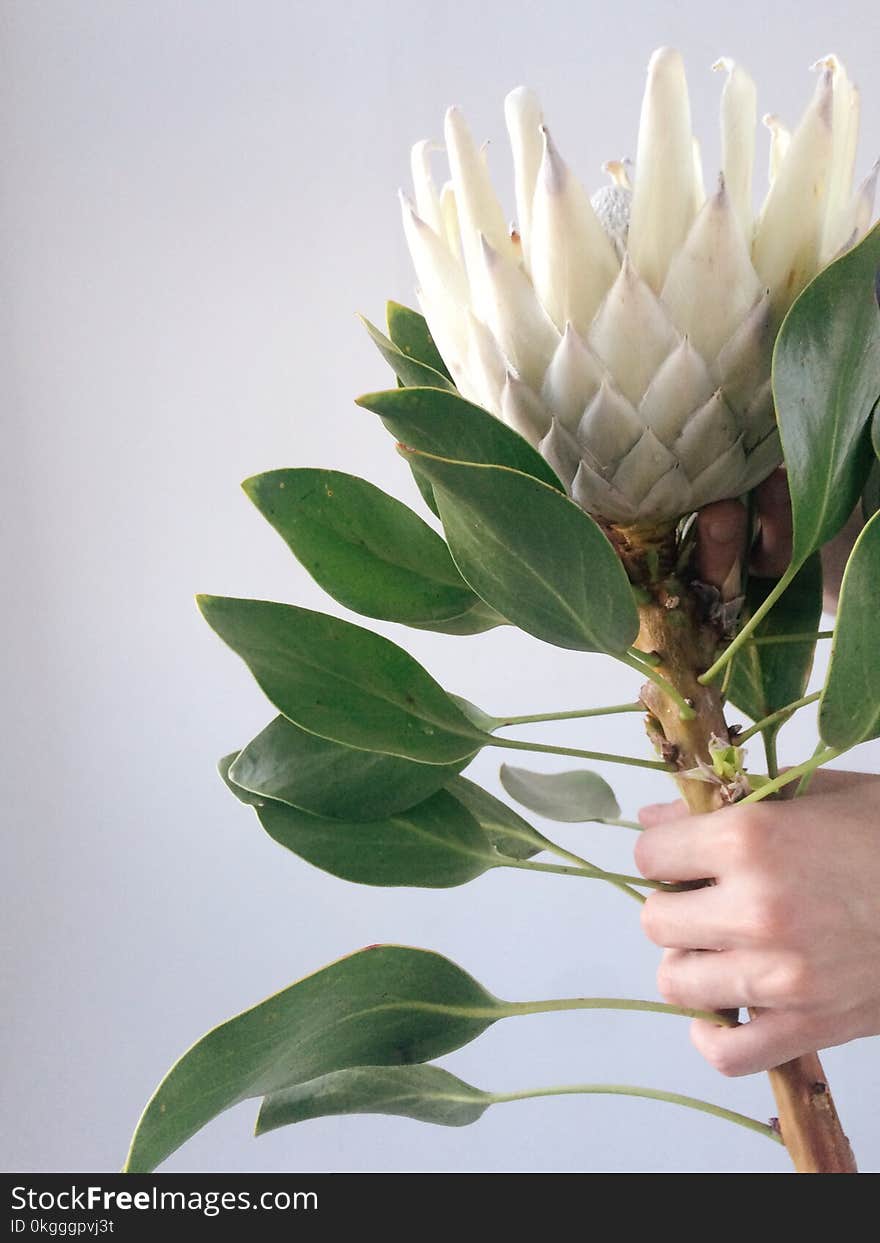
(769, 741)
(568, 716)
(653, 1094)
(623, 824)
(748, 629)
(791, 774)
(512, 1008)
(637, 662)
(544, 843)
(646, 658)
(782, 714)
(516, 744)
(763, 640)
(591, 873)
(804, 783)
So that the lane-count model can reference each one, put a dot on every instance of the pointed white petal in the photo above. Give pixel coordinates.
(632, 333)
(762, 461)
(446, 329)
(711, 284)
(443, 288)
(599, 496)
(486, 367)
(646, 463)
(479, 211)
(449, 219)
(572, 379)
(739, 115)
(789, 231)
(664, 195)
(759, 417)
(523, 410)
(722, 478)
(845, 125)
(667, 499)
(560, 449)
(743, 365)
(609, 428)
(780, 141)
(681, 385)
(522, 111)
(573, 262)
(427, 199)
(708, 433)
(505, 300)
(864, 205)
(699, 179)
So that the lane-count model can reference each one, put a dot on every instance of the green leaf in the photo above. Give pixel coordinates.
(425, 1093)
(849, 710)
(408, 370)
(435, 845)
(871, 494)
(342, 682)
(367, 550)
(573, 797)
(507, 831)
(410, 333)
(533, 555)
(290, 765)
(826, 379)
(875, 430)
(446, 425)
(765, 678)
(387, 1005)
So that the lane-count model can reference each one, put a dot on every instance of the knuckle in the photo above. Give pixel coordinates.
(745, 837)
(768, 918)
(795, 982)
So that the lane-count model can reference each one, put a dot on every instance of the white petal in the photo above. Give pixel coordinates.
(664, 194)
(523, 410)
(609, 429)
(759, 417)
(572, 379)
(449, 219)
(708, 433)
(780, 141)
(443, 285)
(646, 463)
(522, 111)
(681, 385)
(427, 199)
(667, 499)
(743, 365)
(845, 125)
(711, 284)
(762, 461)
(506, 302)
(632, 333)
(738, 120)
(722, 478)
(788, 236)
(479, 211)
(699, 180)
(573, 262)
(452, 343)
(560, 449)
(487, 369)
(864, 206)
(599, 496)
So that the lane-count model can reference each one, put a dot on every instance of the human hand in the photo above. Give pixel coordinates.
(790, 927)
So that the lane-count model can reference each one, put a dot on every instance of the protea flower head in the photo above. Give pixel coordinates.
(629, 335)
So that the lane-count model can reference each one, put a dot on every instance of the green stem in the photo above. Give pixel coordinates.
(769, 741)
(645, 658)
(516, 744)
(781, 714)
(653, 1094)
(513, 1008)
(568, 716)
(623, 824)
(590, 873)
(755, 620)
(544, 843)
(804, 783)
(791, 774)
(765, 639)
(637, 662)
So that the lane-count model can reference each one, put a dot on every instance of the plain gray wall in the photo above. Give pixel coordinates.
(199, 195)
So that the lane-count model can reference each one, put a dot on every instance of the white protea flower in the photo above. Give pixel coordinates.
(629, 336)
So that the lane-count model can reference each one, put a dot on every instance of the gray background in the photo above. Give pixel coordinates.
(199, 196)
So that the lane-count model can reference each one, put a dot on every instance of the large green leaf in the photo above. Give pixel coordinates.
(766, 677)
(425, 1093)
(533, 555)
(826, 379)
(289, 764)
(507, 831)
(849, 710)
(448, 426)
(412, 336)
(435, 845)
(342, 682)
(387, 1005)
(573, 797)
(367, 550)
(410, 371)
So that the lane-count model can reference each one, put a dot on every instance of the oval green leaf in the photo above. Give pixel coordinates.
(425, 1093)
(342, 682)
(290, 765)
(410, 333)
(437, 844)
(849, 710)
(367, 550)
(826, 379)
(410, 371)
(764, 678)
(382, 1006)
(573, 797)
(446, 425)
(528, 550)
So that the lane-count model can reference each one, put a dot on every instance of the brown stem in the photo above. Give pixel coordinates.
(672, 628)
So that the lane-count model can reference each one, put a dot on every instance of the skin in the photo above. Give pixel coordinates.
(791, 925)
